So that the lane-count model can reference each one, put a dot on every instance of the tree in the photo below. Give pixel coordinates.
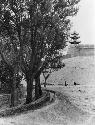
(55, 65)
(9, 44)
(9, 58)
(46, 74)
(40, 29)
(6, 78)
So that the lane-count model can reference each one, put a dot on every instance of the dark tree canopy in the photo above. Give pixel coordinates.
(6, 78)
(35, 30)
(41, 27)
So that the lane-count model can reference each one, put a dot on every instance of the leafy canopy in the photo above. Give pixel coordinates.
(37, 30)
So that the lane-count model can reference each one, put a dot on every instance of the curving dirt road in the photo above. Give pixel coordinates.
(74, 105)
(61, 112)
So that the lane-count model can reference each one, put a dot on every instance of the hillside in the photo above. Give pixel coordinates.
(78, 69)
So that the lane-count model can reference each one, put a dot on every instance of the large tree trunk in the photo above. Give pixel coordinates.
(13, 89)
(29, 88)
(38, 91)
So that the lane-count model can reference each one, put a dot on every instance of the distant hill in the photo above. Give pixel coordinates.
(77, 69)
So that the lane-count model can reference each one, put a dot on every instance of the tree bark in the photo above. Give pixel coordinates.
(38, 91)
(12, 94)
(29, 88)
(45, 82)
(45, 78)
(13, 89)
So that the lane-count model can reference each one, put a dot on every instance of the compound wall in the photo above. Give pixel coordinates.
(81, 50)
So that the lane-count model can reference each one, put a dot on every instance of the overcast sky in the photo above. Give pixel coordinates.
(84, 22)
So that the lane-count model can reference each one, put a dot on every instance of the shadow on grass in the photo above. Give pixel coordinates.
(44, 100)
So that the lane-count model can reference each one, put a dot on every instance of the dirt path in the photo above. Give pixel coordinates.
(61, 112)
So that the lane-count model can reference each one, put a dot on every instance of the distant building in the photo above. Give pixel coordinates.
(81, 50)
(77, 49)
(74, 39)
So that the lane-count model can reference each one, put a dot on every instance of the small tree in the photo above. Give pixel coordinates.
(46, 74)
(52, 66)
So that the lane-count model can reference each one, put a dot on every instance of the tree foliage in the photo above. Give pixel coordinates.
(37, 30)
(6, 78)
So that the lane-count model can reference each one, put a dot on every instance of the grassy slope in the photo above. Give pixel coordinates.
(82, 71)
(62, 112)
(78, 69)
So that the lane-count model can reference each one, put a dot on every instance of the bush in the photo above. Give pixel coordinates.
(6, 77)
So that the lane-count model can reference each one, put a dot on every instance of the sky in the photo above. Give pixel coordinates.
(84, 22)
